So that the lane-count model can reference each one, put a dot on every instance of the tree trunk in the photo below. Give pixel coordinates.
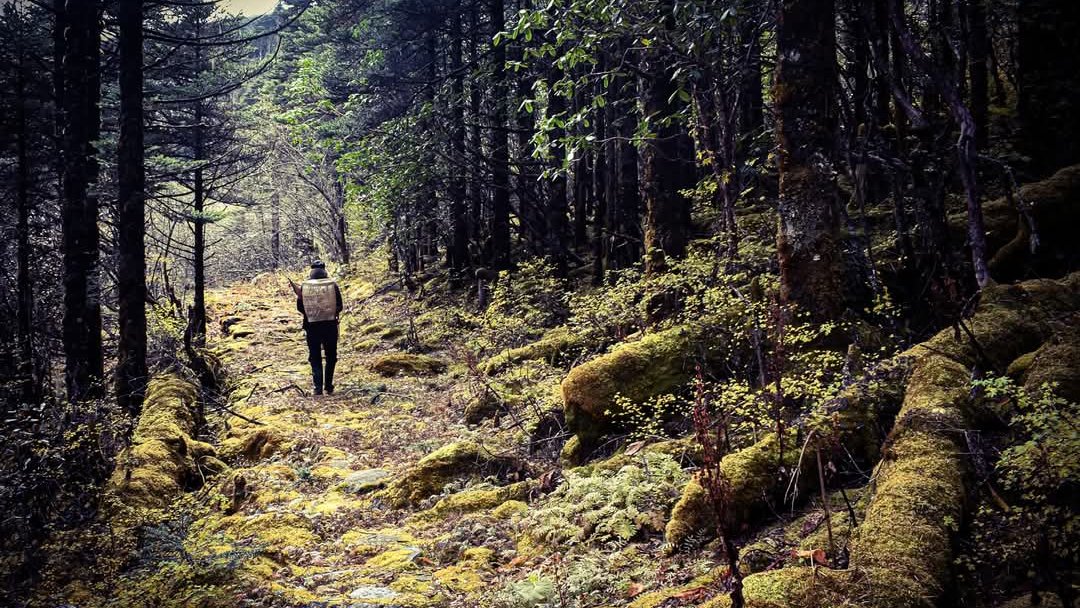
(500, 201)
(459, 236)
(979, 49)
(275, 230)
(25, 293)
(556, 211)
(474, 188)
(662, 170)
(966, 155)
(752, 108)
(84, 362)
(600, 188)
(131, 372)
(1048, 78)
(810, 238)
(626, 242)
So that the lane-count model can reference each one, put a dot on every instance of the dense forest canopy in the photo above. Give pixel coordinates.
(644, 302)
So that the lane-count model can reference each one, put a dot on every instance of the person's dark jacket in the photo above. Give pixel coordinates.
(300, 306)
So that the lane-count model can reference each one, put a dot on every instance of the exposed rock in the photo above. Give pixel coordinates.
(365, 481)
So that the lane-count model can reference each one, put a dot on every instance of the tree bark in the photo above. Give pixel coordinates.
(25, 294)
(500, 162)
(556, 211)
(666, 210)
(459, 236)
(810, 238)
(131, 371)
(1048, 78)
(83, 359)
(966, 153)
(979, 49)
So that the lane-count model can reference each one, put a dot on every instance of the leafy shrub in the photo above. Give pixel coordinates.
(646, 420)
(1033, 529)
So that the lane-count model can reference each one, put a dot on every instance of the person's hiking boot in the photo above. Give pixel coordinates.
(328, 381)
(318, 391)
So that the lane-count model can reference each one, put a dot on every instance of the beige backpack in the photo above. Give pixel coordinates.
(320, 299)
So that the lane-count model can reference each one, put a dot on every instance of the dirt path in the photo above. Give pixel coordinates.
(311, 471)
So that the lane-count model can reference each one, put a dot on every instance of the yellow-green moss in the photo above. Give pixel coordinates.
(465, 577)
(1019, 366)
(432, 472)
(510, 509)
(655, 364)
(394, 560)
(1052, 203)
(274, 531)
(1057, 363)
(551, 345)
(684, 450)
(752, 479)
(479, 499)
(163, 459)
(407, 364)
(252, 442)
(901, 554)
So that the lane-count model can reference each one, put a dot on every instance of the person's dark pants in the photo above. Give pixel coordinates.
(322, 336)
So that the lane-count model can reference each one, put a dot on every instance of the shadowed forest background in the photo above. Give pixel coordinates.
(647, 303)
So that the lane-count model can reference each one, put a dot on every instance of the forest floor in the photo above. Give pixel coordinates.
(390, 493)
(311, 521)
(308, 482)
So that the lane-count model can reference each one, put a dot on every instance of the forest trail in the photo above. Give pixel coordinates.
(311, 471)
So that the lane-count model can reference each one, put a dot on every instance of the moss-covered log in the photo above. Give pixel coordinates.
(407, 364)
(164, 459)
(901, 554)
(657, 363)
(1054, 205)
(554, 343)
(1056, 363)
(754, 474)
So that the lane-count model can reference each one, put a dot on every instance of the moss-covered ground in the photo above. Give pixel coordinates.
(399, 490)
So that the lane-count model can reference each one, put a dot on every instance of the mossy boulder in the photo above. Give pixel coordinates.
(453, 461)
(1057, 363)
(553, 343)
(407, 364)
(657, 363)
(753, 473)
(163, 459)
(479, 498)
(252, 442)
(1054, 205)
(489, 403)
(753, 479)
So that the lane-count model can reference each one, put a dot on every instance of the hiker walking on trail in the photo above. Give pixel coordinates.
(319, 299)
